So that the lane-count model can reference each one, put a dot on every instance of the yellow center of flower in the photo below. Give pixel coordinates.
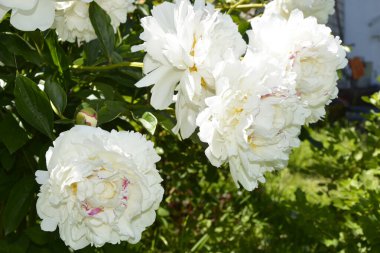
(203, 83)
(74, 188)
(251, 141)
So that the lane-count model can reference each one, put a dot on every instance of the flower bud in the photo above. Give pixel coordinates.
(87, 116)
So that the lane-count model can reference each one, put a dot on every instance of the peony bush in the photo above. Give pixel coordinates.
(130, 125)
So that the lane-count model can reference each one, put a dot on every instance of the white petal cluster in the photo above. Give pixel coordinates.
(253, 121)
(29, 15)
(320, 9)
(100, 187)
(183, 44)
(305, 49)
(72, 21)
(249, 111)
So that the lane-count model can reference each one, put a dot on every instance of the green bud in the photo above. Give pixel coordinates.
(87, 116)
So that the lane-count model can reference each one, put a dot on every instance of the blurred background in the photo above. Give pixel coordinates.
(357, 23)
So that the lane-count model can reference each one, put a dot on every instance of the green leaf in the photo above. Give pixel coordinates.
(56, 94)
(110, 110)
(7, 160)
(149, 121)
(20, 245)
(11, 134)
(56, 52)
(33, 105)
(199, 245)
(18, 204)
(18, 46)
(103, 29)
(37, 236)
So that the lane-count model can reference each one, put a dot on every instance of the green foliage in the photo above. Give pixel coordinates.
(327, 200)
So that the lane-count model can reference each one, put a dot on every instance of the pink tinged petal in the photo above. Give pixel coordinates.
(40, 17)
(19, 4)
(95, 211)
(42, 177)
(163, 91)
(125, 183)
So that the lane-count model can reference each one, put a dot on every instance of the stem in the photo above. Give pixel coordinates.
(235, 5)
(240, 5)
(108, 67)
(249, 6)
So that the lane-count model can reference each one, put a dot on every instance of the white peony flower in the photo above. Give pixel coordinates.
(305, 49)
(321, 9)
(183, 44)
(253, 121)
(29, 15)
(72, 21)
(100, 187)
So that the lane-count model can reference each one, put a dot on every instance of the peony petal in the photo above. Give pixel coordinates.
(153, 77)
(49, 225)
(149, 64)
(42, 176)
(19, 4)
(163, 91)
(40, 17)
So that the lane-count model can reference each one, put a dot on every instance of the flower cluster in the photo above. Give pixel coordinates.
(249, 110)
(70, 18)
(320, 9)
(100, 187)
(183, 44)
(29, 15)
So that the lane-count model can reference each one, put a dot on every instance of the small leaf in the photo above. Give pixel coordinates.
(33, 105)
(110, 110)
(11, 134)
(149, 121)
(103, 29)
(18, 204)
(163, 212)
(56, 94)
(199, 245)
(56, 52)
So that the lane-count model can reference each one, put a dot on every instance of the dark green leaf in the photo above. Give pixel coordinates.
(6, 159)
(6, 183)
(33, 105)
(56, 52)
(18, 46)
(18, 204)
(91, 52)
(103, 29)
(11, 134)
(110, 110)
(18, 246)
(56, 94)
(37, 236)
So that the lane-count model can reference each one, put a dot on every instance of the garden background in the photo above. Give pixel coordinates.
(326, 200)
